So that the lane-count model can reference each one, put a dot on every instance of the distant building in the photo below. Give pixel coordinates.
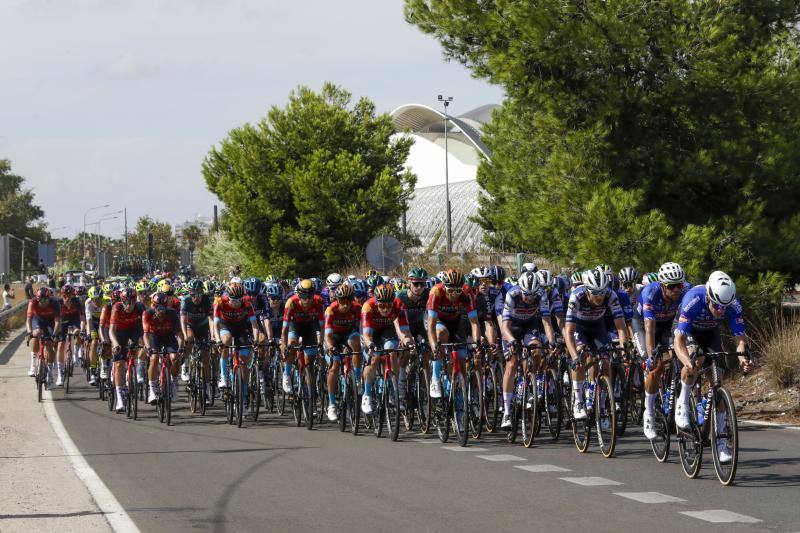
(426, 214)
(204, 223)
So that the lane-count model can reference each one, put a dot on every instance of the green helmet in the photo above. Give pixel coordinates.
(418, 274)
(195, 286)
(471, 280)
(650, 277)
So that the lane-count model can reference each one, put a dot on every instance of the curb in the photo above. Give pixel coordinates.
(770, 424)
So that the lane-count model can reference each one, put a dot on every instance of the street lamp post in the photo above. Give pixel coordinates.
(83, 246)
(446, 101)
(105, 217)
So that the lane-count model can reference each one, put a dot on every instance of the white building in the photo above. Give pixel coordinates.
(426, 213)
(204, 223)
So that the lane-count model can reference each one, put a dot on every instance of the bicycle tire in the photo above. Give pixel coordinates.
(343, 393)
(552, 398)
(660, 445)
(690, 444)
(129, 381)
(112, 397)
(280, 394)
(320, 393)
(582, 431)
(41, 377)
(297, 398)
(410, 400)
(529, 411)
(238, 396)
(604, 406)
(255, 395)
(67, 372)
(621, 404)
(212, 373)
(391, 403)
(491, 405)
(565, 383)
(443, 414)
(459, 407)
(133, 394)
(310, 400)
(168, 397)
(201, 393)
(191, 390)
(475, 405)
(378, 409)
(423, 401)
(725, 473)
(353, 405)
(160, 407)
(635, 383)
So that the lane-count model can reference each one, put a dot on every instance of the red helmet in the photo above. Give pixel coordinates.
(128, 295)
(159, 299)
(67, 290)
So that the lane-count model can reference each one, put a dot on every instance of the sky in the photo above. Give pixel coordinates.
(118, 101)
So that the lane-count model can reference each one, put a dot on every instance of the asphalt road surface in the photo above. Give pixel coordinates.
(202, 474)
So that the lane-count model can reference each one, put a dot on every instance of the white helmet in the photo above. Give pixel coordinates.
(528, 283)
(628, 274)
(671, 273)
(720, 288)
(480, 272)
(545, 278)
(595, 280)
(440, 275)
(351, 278)
(528, 267)
(334, 280)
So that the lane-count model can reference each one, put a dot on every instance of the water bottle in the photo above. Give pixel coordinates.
(589, 396)
(665, 402)
(701, 411)
(539, 386)
(520, 389)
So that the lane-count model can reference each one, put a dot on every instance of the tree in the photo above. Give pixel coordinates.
(306, 186)
(691, 107)
(190, 235)
(218, 253)
(165, 246)
(19, 216)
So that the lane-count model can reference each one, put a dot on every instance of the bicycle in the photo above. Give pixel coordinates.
(416, 399)
(69, 363)
(452, 406)
(348, 409)
(303, 388)
(525, 401)
(42, 368)
(664, 407)
(164, 400)
(132, 405)
(321, 387)
(619, 381)
(600, 407)
(272, 376)
(548, 393)
(233, 396)
(386, 400)
(475, 395)
(492, 389)
(254, 386)
(707, 410)
(196, 388)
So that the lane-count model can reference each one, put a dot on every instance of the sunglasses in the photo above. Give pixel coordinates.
(304, 296)
(453, 290)
(596, 293)
(673, 286)
(235, 300)
(384, 305)
(717, 307)
(417, 283)
(627, 284)
(345, 300)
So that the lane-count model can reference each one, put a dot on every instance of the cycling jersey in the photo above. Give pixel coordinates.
(581, 311)
(339, 322)
(440, 307)
(695, 314)
(260, 304)
(654, 306)
(226, 313)
(500, 299)
(518, 311)
(294, 312)
(415, 310)
(372, 320)
(625, 305)
(71, 312)
(44, 317)
(105, 315)
(167, 324)
(125, 320)
(197, 315)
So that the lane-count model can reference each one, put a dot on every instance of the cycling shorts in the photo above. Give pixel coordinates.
(46, 326)
(66, 327)
(526, 332)
(201, 332)
(170, 342)
(595, 337)
(239, 331)
(305, 331)
(382, 338)
(457, 332)
(341, 339)
(707, 339)
(133, 336)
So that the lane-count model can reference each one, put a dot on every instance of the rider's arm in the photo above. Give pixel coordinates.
(681, 350)
(569, 340)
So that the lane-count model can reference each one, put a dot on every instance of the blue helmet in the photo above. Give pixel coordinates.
(252, 286)
(360, 288)
(433, 280)
(274, 291)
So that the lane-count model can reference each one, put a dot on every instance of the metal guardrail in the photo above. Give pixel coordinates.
(15, 309)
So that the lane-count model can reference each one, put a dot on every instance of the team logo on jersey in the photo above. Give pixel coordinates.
(691, 303)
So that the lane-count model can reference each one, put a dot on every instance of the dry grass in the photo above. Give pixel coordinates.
(434, 263)
(780, 346)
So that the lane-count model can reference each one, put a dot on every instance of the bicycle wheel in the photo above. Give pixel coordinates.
(254, 392)
(343, 395)
(582, 430)
(552, 407)
(725, 431)
(130, 383)
(67, 371)
(201, 393)
(490, 399)
(391, 405)
(133, 394)
(529, 411)
(423, 401)
(565, 382)
(320, 393)
(459, 407)
(635, 384)
(280, 394)
(192, 389)
(227, 399)
(112, 397)
(660, 444)
(620, 388)
(238, 396)
(41, 378)
(353, 404)
(308, 397)
(690, 444)
(605, 416)
(297, 398)
(475, 404)
(167, 394)
(410, 400)
(213, 378)
(160, 403)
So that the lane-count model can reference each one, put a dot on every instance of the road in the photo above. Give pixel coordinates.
(202, 474)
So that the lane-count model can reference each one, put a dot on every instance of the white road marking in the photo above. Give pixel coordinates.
(542, 468)
(117, 518)
(500, 457)
(649, 497)
(591, 481)
(425, 441)
(770, 424)
(720, 516)
(464, 449)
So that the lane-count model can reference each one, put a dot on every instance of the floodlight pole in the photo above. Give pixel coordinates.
(446, 101)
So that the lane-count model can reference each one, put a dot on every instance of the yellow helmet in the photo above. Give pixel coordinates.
(94, 293)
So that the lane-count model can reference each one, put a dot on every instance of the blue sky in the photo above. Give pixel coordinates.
(112, 101)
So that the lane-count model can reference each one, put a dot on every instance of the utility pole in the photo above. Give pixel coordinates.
(446, 101)
(126, 235)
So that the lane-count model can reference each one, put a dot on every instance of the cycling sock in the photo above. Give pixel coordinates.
(507, 396)
(683, 397)
(59, 367)
(331, 398)
(437, 370)
(154, 385)
(287, 369)
(367, 389)
(649, 402)
(358, 371)
(140, 368)
(223, 367)
(33, 359)
(578, 391)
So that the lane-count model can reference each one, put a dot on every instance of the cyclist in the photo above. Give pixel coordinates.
(414, 298)
(447, 303)
(94, 307)
(528, 267)
(43, 322)
(303, 320)
(232, 313)
(549, 284)
(162, 330)
(585, 328)
(525, 312)
(341, 328)
(143, 293)
(383, 321)
(627, 280)
(126, 327)
(196, 325)
(332, 283)
(111, 294)
(703, 309)
(275, 295)
(72, 320)
(659, 305)
(361, 292)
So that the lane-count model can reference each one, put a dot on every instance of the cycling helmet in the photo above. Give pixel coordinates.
(42, 292)
(453, 278)
(371, 273)
(399, 284)
(305, 288)
(384, 293)
(317, 284)
(431, 282)
(127, 295)
(344, 291)
(720, 288)
(528, 267)
(480, 272)
(545, 278)
(271, 279)
(235, 291)
(274, 291)
(614, 282)
(512, 279)
(107, 288)
(141, 287)
(671, 273)
(577, 278)
(235, 280)
(440, 275)
(605, 267)
(360, 288)
(595, 280)
(374, 281)
(195, 287)
(628, 275)
(497, 273)
(417, 274)
(67, 290)
(115, 295)
(528, 283)
(94, 293)
(334, 280)
(351, 278)
(159, 300)
(650, 277)
(252, 286)
(470, 280)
